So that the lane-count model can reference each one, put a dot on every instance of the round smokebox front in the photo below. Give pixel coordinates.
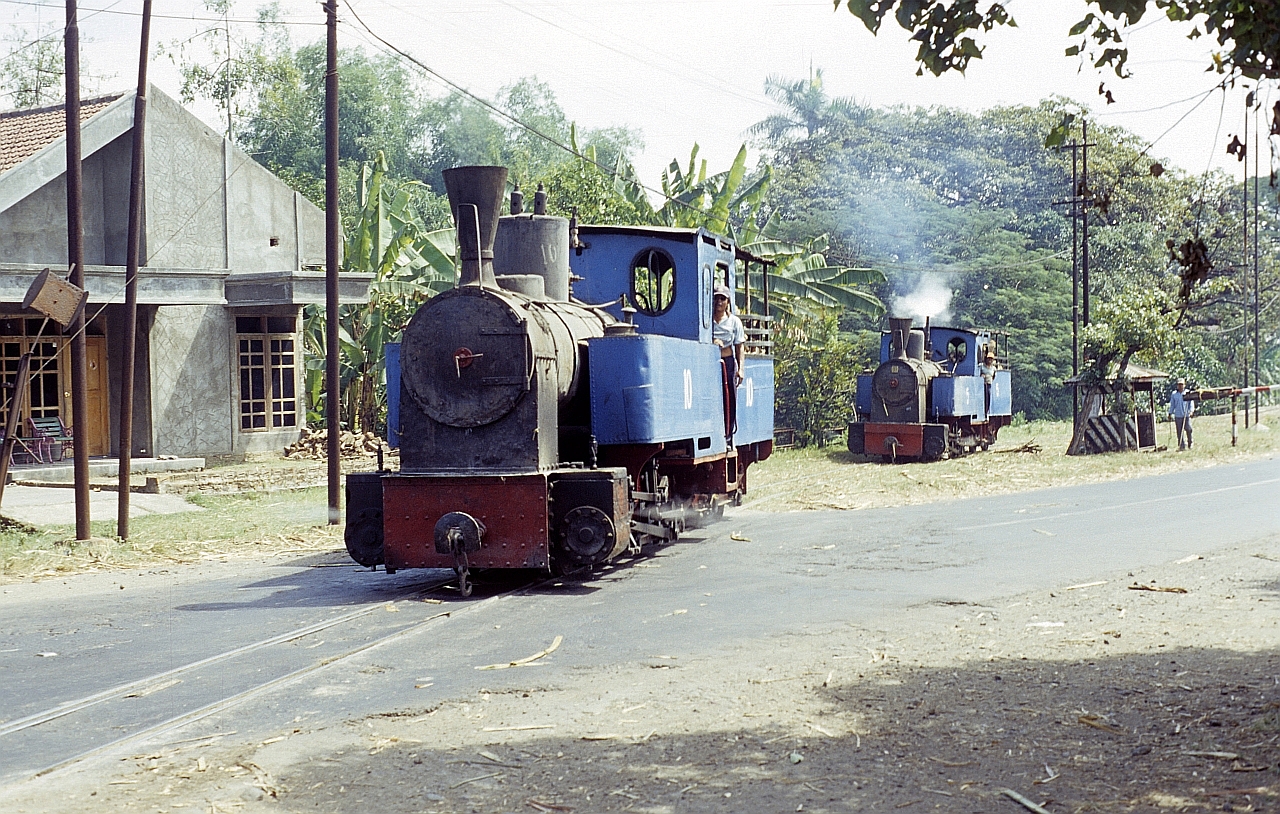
(895, 383)
(465, 358)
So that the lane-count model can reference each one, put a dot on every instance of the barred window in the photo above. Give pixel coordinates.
(46, 383)
(268, 373)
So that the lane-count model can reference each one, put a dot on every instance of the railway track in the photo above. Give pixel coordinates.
(54, 740)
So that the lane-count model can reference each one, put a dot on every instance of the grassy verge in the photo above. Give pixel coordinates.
(247, 524)
(262, 522)
(831, 478)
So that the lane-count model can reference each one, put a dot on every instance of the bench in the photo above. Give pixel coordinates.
(52, 435)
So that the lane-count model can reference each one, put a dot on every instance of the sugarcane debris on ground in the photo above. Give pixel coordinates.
(1084, 698)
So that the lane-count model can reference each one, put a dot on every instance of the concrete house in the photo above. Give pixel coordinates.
(230, 255)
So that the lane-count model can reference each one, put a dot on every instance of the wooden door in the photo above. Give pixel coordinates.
(96, 429)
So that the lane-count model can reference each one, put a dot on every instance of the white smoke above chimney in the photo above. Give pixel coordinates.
(931, 298)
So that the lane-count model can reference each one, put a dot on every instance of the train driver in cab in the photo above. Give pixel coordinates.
(730, 336)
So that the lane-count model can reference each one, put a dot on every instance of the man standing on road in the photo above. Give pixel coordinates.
(1180, 410)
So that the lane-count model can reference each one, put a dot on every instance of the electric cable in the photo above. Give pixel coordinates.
(122, 13)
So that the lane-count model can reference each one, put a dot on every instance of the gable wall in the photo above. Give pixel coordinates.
(186, 203)
(34, 229)
(261, 208)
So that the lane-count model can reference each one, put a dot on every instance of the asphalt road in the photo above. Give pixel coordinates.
(105, 663)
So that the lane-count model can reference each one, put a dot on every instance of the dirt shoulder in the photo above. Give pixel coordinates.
(1092, 697)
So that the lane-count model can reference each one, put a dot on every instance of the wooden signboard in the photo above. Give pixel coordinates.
(55, 298)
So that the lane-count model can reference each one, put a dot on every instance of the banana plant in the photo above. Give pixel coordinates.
(801, 280)
(803, 284)
(408, 263)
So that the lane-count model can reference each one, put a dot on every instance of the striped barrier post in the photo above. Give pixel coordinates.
(1234, 393)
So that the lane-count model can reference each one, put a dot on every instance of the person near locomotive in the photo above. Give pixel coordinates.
(988, 372)
(1180, 410)
(728, 333)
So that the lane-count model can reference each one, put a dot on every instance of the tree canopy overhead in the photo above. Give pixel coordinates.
(947, 30)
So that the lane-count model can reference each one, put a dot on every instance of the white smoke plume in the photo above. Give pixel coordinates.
(931, 298)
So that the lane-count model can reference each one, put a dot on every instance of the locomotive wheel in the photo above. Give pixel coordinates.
(588, 535)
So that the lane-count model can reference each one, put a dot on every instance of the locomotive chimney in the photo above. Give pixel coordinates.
(899, 331)
(481, 188)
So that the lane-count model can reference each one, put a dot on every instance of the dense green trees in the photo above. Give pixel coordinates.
(963, 203)
(946, 203)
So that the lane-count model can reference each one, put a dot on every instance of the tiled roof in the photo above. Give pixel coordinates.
(23, 133)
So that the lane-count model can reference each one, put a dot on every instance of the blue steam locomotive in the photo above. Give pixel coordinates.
(928, 398)
(564, 402)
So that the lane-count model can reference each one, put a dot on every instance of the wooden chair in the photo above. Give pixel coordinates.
(52, 435)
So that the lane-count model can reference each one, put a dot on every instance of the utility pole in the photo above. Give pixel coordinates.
(132, 262)
(1079, 202)
(75, 257)
(1244, 267)
(332, 381)
(1257, 292)
(1084, 216)
(1075, 282)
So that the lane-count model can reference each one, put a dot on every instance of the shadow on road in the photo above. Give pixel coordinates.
(1190, 729)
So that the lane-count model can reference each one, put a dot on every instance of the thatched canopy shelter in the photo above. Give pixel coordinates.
(1113, 414)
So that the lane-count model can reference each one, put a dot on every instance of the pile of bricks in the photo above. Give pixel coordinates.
(314, 445)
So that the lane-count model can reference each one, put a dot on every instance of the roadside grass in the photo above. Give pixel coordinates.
(245, 524)
(263, 519)
(831, 478)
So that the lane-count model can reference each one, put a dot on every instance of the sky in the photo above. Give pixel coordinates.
(693, 71)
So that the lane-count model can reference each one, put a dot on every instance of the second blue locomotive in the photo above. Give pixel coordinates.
(928, 399)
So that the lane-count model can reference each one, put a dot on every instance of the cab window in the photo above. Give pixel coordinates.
(722, 275)
(653, 282)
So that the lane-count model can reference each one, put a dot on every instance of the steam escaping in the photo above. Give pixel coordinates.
(931, 297)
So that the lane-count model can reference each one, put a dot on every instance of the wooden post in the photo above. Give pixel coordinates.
(11, 421)
(75, 257)
(132, 262)
(1235, 427)
(333, 404)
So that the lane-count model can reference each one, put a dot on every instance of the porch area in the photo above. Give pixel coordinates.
(99, 468)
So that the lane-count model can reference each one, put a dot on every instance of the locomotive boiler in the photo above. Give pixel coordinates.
(529, 433)
(927, 398)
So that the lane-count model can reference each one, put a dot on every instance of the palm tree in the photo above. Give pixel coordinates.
(806, 107)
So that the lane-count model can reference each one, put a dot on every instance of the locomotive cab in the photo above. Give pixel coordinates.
(659, 401)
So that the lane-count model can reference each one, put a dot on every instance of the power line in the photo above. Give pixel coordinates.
(108, 10)
(494, 109)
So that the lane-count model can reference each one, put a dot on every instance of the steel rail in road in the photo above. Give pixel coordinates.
(69, 707)
(230, 701)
